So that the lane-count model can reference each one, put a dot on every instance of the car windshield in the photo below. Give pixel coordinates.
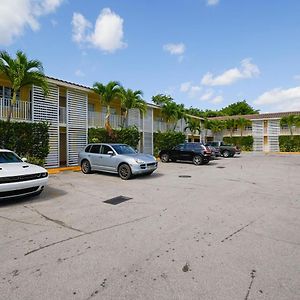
(123, 149)
(9, 157)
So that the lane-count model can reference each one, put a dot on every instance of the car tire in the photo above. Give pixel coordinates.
(86, 167)
(226, 153)
(164, 158)
(124, 171)
(197, 160)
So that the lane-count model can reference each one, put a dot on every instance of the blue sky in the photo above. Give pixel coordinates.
(204, 53)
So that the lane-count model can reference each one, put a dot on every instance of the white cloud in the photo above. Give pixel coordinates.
(281, 99)
(246, 70)
(212, 2)
(297, 77)
(80, 25)
(17, 15)
(79, 73)
(175, 49)
(207, 95)
(107, 34)
(184, 87)
(217, 99)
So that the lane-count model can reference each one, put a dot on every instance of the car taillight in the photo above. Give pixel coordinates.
(207, 150)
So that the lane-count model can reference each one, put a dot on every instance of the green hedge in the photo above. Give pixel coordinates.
(243, 142)
(289, 143)
(30, 140)
(167, 140)
(130, 136)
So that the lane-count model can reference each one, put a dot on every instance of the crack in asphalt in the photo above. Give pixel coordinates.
(237, 231)
(58, 222)
(18, 221)
(251, 283)
(86, 233)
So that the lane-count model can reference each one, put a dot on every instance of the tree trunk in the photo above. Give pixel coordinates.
(107, 123)
(12, 103)
(125, 121)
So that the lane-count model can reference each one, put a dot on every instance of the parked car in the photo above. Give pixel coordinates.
(195, 152)
(116, 158)
(215, 152)
(19, 178)
(225, 150)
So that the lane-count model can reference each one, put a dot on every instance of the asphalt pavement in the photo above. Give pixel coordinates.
(227, 230)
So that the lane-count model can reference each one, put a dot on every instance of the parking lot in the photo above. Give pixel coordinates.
(227, 230)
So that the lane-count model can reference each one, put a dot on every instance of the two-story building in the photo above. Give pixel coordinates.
(71, 109)
(265, 129)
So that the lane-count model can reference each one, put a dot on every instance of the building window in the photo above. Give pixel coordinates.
(91, 107)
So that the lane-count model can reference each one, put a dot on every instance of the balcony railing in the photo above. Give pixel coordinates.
(286, 131)
(237, 132)
(97, 119)
(62, 115)
(21, 110)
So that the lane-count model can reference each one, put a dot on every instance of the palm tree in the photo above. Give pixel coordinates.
(181, 114)
(21, 72)
(230, 125)
(216, 126)
(108, 93)
(241, 123)
(290, 121)
(170, 112)
(206, 125)
(132, 99)
(194, 126)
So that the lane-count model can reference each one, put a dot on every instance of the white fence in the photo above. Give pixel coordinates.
(97, 119)
(21, 110)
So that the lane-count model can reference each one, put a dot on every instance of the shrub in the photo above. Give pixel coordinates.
(289, 143)
(26, 139)
(130, 136)
(167, 140)
(245, 143)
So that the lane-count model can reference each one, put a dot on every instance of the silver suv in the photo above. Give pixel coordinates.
(116, 158)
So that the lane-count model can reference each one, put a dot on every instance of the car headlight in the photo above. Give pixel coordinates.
(45, 174)
(139, 161)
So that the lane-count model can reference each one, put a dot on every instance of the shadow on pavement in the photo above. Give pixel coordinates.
(49, 193)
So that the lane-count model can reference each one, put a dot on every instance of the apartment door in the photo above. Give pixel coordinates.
(62, 148)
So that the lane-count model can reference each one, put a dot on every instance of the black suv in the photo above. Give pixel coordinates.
(195, 152)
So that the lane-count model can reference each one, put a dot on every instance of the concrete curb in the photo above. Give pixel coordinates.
(58, 170)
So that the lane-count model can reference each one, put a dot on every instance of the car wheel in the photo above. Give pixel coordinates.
(124, 171)
(164, 158)
(226, 153)
(197, 160)
(86, 167)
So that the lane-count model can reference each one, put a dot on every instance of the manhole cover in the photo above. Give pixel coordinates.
(117, 200)
(185, 176)
(221, 167)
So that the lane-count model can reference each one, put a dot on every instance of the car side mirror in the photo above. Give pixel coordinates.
(24, 159)
(111, 153)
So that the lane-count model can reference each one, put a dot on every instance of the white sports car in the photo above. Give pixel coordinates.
(18, 178)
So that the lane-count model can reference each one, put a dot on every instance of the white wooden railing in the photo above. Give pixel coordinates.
(97, 119)
(21, 110)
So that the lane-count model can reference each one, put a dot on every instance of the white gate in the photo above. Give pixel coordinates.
(148, 131)
(77, 118)
(258, 135)
(273, 132)
(46, 109)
